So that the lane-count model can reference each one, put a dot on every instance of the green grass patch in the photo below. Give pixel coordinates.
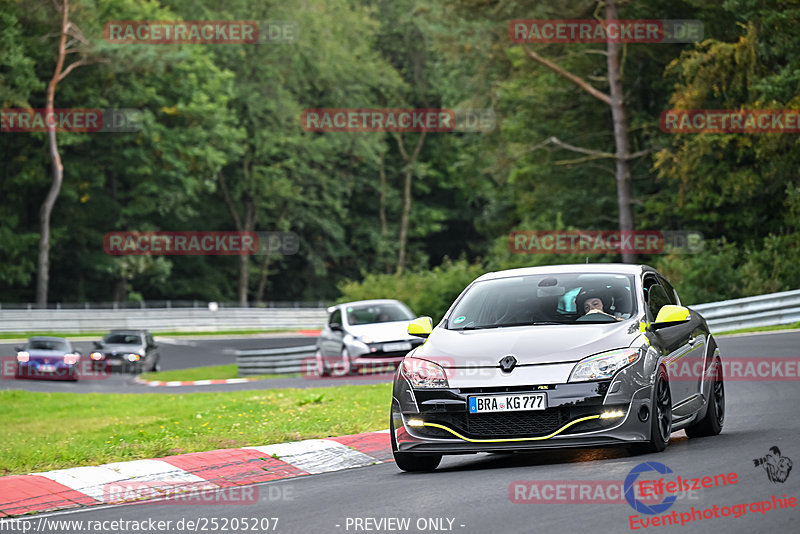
(43, 431)
(211, 372)
(761, 329)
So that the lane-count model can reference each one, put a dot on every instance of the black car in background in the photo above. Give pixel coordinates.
(128, 351)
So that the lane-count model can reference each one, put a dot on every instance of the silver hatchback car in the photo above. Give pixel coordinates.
(364, 333)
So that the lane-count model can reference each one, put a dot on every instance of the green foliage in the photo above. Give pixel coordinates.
(426, 292)
(231, 111)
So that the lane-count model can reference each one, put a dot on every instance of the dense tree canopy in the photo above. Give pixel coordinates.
(221, 148)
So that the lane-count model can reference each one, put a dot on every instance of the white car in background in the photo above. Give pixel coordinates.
(364, 333)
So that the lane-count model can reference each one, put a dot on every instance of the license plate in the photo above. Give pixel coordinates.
(396, 347)
(508, 403)
(47, 368)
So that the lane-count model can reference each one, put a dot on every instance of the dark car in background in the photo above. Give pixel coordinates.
(128, 351)
(48, 357)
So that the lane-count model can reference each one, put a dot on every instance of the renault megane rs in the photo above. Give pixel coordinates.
(557, 356)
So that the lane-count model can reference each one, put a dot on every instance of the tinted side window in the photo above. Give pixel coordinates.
(654, 295)
(657, 299)
(336, 317)
(671, 293)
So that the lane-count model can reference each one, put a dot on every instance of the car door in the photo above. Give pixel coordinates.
(673, 340)
(331, 337)
(690, 368)
(151, 349)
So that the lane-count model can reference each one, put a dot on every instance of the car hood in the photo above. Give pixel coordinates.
(382, 332)
(528, 344)
(114, 347)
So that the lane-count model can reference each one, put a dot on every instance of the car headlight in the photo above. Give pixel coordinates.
(23, 356)
(133, 357)
(424, 374)
(366, 339)
(97, 356)
(601, 366)
(71, 359)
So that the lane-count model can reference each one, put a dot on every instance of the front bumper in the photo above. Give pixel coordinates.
(53, 370)
(437, 420)
(362, 354)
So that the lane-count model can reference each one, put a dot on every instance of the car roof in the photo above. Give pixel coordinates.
(46, 338)
(364, 302)
(616, 268)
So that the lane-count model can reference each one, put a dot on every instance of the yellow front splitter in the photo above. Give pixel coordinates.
(563, 428)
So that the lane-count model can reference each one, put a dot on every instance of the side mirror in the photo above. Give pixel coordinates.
(421, 327)
(19, 349)
(670, 315)
(336, 327)
(98, 344)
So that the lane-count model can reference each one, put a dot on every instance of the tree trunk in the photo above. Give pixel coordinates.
(410, 161)
(242, 226)
(617, 104)
(43, 279)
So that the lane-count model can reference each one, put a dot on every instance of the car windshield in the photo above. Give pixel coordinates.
(378, 313)
(123, 339)
(572, 298)
(47, 344)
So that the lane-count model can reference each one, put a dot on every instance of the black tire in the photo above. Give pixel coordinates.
(156, 366)
(660, 416)
(413, 462)
(712, 421)
(321, 366)
(346, 367)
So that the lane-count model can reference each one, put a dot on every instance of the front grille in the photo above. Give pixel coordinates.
(504, 425)
(517, 424)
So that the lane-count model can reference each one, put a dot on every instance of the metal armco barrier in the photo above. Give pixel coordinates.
(273, 361)
(175, 319)
(762, 310)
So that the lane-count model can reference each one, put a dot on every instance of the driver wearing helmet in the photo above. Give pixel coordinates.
(595, 301)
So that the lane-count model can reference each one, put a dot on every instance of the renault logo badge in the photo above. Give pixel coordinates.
(508, 363)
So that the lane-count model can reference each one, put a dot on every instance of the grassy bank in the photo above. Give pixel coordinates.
(211, 372)
(42, 431)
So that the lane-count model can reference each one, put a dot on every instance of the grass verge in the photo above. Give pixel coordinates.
(211, 372)
(43, 431)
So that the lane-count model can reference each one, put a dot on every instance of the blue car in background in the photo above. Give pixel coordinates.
(48, 357)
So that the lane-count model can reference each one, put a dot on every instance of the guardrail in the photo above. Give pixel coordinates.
(273, 361)
(175, 319)
(750, 312)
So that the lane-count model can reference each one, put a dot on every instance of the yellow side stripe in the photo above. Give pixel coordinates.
(563, 428)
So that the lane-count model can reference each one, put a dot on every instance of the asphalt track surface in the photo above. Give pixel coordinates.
(182, 353)
(473, 491)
